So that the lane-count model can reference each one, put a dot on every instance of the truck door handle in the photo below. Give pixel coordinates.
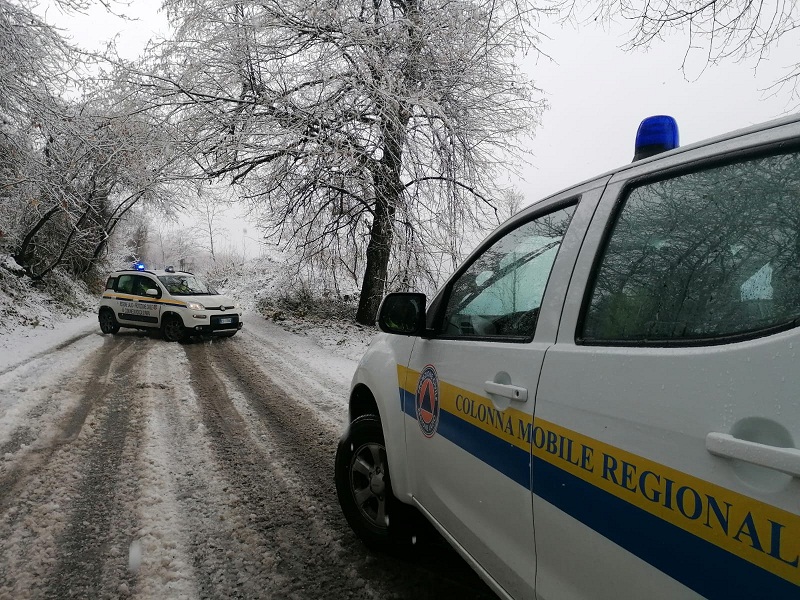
(514, 392)
(785, 460)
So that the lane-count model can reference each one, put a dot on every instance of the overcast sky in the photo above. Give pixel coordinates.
(598, 94)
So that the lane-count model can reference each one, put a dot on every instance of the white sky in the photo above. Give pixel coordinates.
(597, 93)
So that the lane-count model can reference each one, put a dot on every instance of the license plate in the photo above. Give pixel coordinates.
(226, 321)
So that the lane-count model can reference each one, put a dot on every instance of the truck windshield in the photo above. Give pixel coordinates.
(182, 284)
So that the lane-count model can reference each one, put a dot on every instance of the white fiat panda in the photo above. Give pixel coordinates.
(603, 401)
(177, 302)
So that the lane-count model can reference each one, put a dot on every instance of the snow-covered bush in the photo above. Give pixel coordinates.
(275, 287)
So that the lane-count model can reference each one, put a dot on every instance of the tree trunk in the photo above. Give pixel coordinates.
(65, 247)
(110, 225)
(22, 255)
(378, 253)
(388, 190)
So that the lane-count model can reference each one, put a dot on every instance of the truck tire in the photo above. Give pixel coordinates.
(108, 322)
(364, 488)
(173, 328)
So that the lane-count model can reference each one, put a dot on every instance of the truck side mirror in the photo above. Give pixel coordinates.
(402, 313)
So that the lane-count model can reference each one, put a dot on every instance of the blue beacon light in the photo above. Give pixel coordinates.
(139, 266)
(655, 135)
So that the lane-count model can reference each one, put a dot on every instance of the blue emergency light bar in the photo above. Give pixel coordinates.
(139, 266)
(656, 134)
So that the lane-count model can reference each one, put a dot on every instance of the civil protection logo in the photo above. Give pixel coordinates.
(428, 401)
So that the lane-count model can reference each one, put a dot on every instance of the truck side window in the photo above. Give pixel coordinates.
(125, 284)
(143, 284)
(701, 257)
(500, 293)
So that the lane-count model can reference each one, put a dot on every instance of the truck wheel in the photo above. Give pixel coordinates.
(108, 322)
(364, 488)
(173, 329)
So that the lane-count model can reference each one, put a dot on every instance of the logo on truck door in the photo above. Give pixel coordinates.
(428, 401)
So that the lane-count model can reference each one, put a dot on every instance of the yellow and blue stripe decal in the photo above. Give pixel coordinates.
(148, 300)
(718, 542)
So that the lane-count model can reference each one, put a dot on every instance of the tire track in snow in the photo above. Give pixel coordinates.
(324, 554)
(196, 536)
(46, 353)
(97, 365)
(59, 499)
(308, 555)
(219, 472)
(254, 565)
(298, 377)
(31, 395)
(93, 545)
(178, 498)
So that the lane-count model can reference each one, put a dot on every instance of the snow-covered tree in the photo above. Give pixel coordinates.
(370, 131)
(75, 155)
(92, 167)
(209, 205)
(34, 65)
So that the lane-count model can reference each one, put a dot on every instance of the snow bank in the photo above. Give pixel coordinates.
(35, 316)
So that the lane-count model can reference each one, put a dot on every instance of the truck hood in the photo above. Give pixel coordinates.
(212, 302)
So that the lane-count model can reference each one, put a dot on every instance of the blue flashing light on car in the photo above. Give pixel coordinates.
(139, 266)
(656, 134)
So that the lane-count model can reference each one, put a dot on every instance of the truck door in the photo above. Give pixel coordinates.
(665, 460)
(133, 305)
(470, 390)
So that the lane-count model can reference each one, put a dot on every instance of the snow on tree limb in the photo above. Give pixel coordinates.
(327, 112)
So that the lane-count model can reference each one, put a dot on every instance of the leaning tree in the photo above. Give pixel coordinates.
(85, 172)
(364, 132)
(75, 155)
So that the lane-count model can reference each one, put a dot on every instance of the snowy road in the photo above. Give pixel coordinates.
(130, 467)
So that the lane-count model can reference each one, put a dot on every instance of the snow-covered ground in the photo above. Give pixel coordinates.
(23, 343)
(131, 467)
(334, 349)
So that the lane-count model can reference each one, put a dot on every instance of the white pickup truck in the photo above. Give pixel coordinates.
(603, 401)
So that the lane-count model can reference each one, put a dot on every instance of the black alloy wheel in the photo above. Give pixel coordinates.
(108, 322)
(364, 489)
(173, 329)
